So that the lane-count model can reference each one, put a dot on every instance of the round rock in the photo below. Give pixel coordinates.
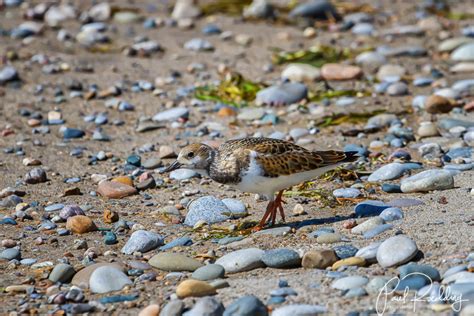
(396, 250)
(107, 279)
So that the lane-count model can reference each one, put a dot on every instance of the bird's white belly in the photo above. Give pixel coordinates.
(256, 183)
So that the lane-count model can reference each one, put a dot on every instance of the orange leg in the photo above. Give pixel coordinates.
(271, 212)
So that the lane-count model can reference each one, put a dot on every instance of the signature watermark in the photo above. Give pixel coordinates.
(391, 293)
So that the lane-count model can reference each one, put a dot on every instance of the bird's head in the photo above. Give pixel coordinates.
(195, 156)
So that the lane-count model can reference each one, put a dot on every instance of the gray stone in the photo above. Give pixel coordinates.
(142, 241)
(463, 53)
(236, 207)
(10, 254)
(173, 308)
(183, 174)
(428, 180)
(299, 310)
(396, 250)
(206, 306)
(246, 306)
(198, 45)
(367, 225)
(209, 272)
(390, 171)
(242, 260)
(369, 253)
(281, 258)
(391, 214)
(107, 279)
(208, 209)
(7, 74)
(171, 115)
(174, 262)
(350, 282)
(349, 193)
(282, 94)
(62, 273)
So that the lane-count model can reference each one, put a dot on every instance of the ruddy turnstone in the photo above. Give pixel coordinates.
(260, 165)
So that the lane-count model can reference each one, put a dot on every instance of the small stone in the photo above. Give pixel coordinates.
(82, 277)
(115, 190)
(108, 279)
(464, 52)
(142, 241)
(110, 216)
(70, 211)
(397, 89)
(347, 193)
(388, 70)
(150, 310)
(80, 224)
(350, 282)
(242, 260)
(340, 72)
(10, 254)
(194, 288)
(301, 73)
(208, 209)
(282, 94)
(391, 214)
(299, 310)
(319, 259)
(427, 129)
(62, 273)
(174, 262)
(246, 306)
(345, 251)
(369, 253)
(396, 250)
(281, 258)
(369, 208)
(209, 272)
(198, 44)
(351, 261)
(171, 115)
(123, 180)
(413, 268)
(36, 175)
(428, 180)
(367, 225)
(436, 104)
(329, 238)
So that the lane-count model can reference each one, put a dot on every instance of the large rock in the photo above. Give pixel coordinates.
(208, 209)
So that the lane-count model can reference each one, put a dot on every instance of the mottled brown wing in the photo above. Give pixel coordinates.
(279, 157)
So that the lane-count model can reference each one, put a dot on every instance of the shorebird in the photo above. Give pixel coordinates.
(260, 165)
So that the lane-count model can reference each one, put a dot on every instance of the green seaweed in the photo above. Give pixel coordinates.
(316, 56)
(234, 90)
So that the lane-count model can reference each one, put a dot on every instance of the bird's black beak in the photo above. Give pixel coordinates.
(175, 165)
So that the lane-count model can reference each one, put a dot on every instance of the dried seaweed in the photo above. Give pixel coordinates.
(230, 7)
(329, 94)
(353, 118)
(234, 90)
(316, 56)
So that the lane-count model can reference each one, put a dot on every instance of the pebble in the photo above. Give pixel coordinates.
(377, 230)
(392, 171)
(350, 282)
(174, 262)
(369, 208)
(396, 250)
(108, 279)
(69, 211)
(35, 176)
(208, 209)
(62, 273)
(281, 258)
(178, 242)
(349, 193)
(150, 310)
(391, 214)
(207, 306)
(319, 259)
(183, 174)
(142, 241)
(277, 231)
(317, 10)
(10, 254)
(208, 272)
(301, 73)
(242, 260)
(345, 251)
(80, 224)
(248, 305)
(282, 94)
(198, 45)
(115, 190)
(340, 72)
(194, 288)
(82, 277)
(369, 253)
(428, 180)
(329, 238)
(171, 115)
(351, 261)
(413, 268)
(7, 74)
(464, 52)
(299, 310)
(388, 70)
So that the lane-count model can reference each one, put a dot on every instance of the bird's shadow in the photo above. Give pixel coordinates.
(317, 221)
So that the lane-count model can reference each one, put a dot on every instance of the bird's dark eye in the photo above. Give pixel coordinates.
(190, 154)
